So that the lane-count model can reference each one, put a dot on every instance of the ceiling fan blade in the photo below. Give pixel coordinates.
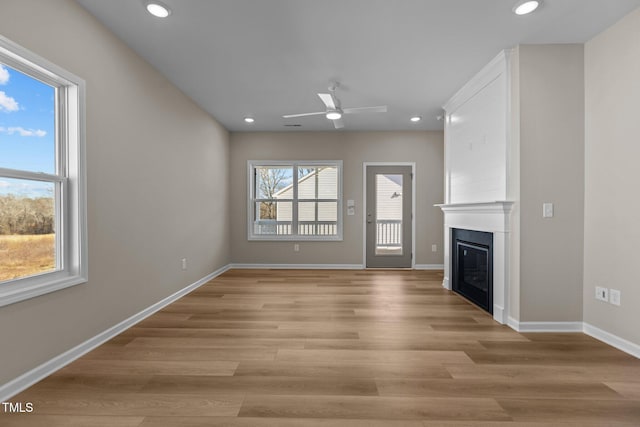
(338, 124)
(328, 100)
(290, 116)
(379, 109)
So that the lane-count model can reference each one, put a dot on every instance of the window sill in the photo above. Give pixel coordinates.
(29, 287)
(295, 239)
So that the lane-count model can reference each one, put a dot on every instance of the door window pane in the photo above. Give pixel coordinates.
(388, 214)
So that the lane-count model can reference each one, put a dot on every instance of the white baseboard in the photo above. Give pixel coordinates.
(429, 267)
(446, 284)
(544, 326)
(498, 314)
(597, 333)
(31, 377)
(299, 266)
(613, 340)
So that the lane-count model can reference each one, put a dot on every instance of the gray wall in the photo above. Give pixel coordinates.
(157, 170)
(551, 170)
(354, 148)
(612, 204)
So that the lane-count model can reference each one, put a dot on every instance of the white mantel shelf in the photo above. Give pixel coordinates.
(498, 206)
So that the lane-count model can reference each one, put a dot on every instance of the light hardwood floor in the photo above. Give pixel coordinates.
(336, 348)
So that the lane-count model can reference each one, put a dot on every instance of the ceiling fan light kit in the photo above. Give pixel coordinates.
(334, 111)
(334, 115)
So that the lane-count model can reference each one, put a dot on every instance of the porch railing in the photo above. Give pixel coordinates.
(389, 233)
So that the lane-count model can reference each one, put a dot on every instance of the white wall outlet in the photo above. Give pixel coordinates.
(434, 248)
(296, 247)
(184, 263)
(547, 210)
(602, 294)
(614, 296)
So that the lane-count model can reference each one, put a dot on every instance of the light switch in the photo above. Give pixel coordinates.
(351, 203)
(547, 210)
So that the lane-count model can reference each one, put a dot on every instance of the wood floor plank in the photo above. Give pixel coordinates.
(272, 422)
(33, 420)
(151, 367)
(353, 407)
(181, 354)
(341, 368)
(341, 348)
(373, 356)
(272, 385)
(130, 404)
(574, 372)
(222, 343)
(573, 410)
(630, 390)
(495, 388)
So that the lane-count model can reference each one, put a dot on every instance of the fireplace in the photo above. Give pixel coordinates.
(472, 266)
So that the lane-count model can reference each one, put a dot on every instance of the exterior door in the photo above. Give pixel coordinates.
(388, 216)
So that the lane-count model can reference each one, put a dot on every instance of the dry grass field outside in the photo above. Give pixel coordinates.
(25, 255)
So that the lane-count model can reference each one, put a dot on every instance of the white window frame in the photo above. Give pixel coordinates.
(69, 178)
(294, 164)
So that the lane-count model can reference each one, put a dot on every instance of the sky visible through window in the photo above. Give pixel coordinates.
(27, 131)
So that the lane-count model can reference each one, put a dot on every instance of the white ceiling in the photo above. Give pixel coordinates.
(267, 58)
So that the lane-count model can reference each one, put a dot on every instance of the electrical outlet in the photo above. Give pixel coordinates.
(296, 247)
(602, 294)
(434, 248)
(614, 296)
(184, 263)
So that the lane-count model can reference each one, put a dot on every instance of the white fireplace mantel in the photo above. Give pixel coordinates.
(493, 217)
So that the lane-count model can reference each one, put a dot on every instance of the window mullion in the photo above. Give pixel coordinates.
(294, 208)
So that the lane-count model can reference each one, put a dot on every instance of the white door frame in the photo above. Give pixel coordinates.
(365, 165)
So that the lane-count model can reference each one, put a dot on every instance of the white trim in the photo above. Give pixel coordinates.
(544, 326)
(428, 267)
(294, 164)
(365, 165)
(71, 204)
(482, 78)
(493, 217)
(298, 266)
(31, 377)
(613, 340)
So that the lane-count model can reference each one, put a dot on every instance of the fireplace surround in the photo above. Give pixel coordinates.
(491, 217)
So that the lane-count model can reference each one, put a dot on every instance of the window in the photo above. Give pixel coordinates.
(299, 200)
(42, 185)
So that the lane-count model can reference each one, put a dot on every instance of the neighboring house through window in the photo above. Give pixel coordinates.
(42, 184)
(298, 200)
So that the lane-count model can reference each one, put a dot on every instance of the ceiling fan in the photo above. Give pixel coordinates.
(334, 109)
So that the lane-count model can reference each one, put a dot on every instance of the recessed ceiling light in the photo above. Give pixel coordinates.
(415, 119)
(249, 120)
(158, 9)
(524, 7)
(334, 115)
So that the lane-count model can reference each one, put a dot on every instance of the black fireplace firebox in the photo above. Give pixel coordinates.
(472, 266)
